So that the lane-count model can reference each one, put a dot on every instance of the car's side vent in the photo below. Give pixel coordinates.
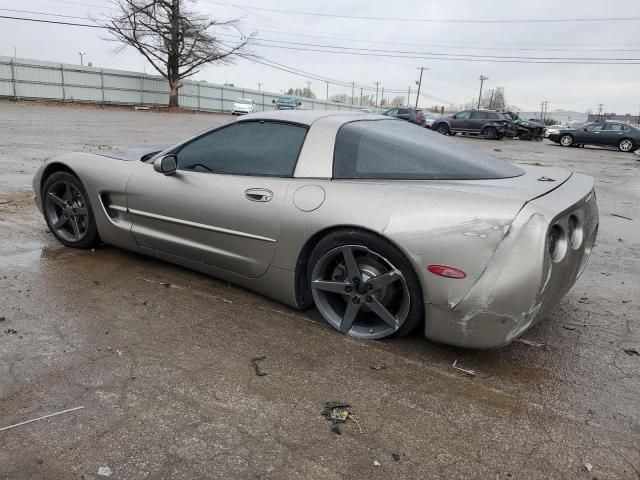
(114, 205)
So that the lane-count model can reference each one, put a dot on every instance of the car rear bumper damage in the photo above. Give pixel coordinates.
(522, 282)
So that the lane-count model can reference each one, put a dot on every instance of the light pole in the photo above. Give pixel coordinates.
(327, 91)
(419, 82)
(259, 86)
(377, 84)
(82, 54)
(600, 105)
(482, 79)
(353, 88)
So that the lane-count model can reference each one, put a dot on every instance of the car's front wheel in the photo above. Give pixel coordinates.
(626, 145)
(566, 140)
(67, 211)
(364, 286)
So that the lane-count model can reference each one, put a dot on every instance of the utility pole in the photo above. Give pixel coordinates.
(409, 96)
(482, 79)
(327, 91)
(382, 101)
(15, 52)
(259, 86)
(377, 84)
(600, 105)
(82, 54)
(361, 88)
(308, 88)
(353, 88)
(419, 82)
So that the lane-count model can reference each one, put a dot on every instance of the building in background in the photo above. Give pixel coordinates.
(560, 116)
(626, 118)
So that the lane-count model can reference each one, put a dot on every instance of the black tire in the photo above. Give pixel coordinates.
(88, 231)
(566, 140)
(490, 133)
(627, 145)
(443, 129)
(372, 245)
(452, 133)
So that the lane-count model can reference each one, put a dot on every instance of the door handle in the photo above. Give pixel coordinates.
(258, 195)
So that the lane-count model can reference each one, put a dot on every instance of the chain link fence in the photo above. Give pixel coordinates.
(37, 80)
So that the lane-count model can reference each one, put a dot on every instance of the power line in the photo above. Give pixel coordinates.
(400, 54)
(432, 20)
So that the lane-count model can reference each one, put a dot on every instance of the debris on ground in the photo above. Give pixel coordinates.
(337, 413)
(531, 343)
(626, 301)
(11, 331)
(471, 373)
(378, 367)
(395, 456)
(256, 367)
(105, 471)
(568, 328)
(621, 216)
(631, 351)
(376, 463)
(583, 300)
(588, 467)
(2, 319)
(41, 418)
(497, 150)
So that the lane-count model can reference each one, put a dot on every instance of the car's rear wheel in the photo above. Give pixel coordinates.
(443, 128)
(626, 145)
(68, 212)
(566, 140)
(490, 133)
(364, 286)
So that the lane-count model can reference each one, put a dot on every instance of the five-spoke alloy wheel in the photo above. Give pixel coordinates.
(361, 291)
(67, 211)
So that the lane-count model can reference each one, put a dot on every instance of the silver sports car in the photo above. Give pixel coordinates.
(382, 225)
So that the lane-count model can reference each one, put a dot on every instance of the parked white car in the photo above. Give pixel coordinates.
(243, 106)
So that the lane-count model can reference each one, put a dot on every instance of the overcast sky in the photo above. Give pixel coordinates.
(570, 86)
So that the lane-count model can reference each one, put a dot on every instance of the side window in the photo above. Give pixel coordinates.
(403, 111)
(596, 127)
(392, 112)
(246, 148)
(478, 115)
(492, 116)
(462, 115)
(615, 127)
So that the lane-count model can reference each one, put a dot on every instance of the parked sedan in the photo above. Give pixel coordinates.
(243, 106)
(613, 134)
(413, 115)
(430, 119)
(382, 225)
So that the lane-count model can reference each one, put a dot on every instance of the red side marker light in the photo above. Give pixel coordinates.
(444, 271)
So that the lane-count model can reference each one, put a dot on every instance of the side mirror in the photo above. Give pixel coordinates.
(299, 103)
(166, 165)
(273, 101)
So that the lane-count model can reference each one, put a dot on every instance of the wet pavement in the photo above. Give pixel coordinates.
(160, 357)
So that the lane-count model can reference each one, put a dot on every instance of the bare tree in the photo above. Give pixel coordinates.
(174, 39)
(396, 101)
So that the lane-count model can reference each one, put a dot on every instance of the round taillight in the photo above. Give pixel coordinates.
(557, 243)
(575, 232)
(444, 271)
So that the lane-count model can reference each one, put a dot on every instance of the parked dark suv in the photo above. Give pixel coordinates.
(409, 114)
(488, 123)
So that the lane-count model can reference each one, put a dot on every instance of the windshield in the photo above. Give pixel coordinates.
(287, 100)
(393, 149)
(244, 101)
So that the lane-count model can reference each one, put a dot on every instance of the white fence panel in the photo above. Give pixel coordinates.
(35, 79)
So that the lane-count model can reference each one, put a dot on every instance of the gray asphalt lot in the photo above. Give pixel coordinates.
(160, 357)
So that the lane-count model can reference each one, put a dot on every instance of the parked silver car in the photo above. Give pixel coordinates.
(381, 224)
